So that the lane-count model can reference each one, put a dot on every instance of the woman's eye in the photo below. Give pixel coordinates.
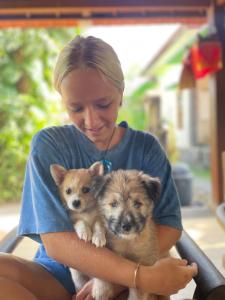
(104, 106)
(85, 189)
(75, 109)
(114, 204)
(68, 191)
(137, 204)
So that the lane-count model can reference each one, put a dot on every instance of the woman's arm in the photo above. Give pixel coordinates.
(167, 237)
(68, 249)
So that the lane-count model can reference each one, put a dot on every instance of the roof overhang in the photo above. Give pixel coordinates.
(24, 13)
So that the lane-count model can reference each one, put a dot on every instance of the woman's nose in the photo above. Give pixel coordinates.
(90, 118)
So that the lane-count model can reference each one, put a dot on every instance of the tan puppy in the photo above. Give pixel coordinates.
(75, 191)
(126, 200)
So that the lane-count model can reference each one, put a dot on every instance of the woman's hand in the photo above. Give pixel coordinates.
(166, 277)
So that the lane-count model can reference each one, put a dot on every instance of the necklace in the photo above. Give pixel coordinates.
(107, 164)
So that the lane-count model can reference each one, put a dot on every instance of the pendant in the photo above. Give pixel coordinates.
(107, 164)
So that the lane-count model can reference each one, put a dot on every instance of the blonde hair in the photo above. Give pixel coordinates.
(89, 52)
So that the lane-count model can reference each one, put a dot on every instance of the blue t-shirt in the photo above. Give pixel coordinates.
(42, 210)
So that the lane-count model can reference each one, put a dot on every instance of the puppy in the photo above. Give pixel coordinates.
(75, 191)
(126, 200)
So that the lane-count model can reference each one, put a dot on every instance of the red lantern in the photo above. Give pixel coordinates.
(206, 58)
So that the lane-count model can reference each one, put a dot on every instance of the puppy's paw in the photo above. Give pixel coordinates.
(85, 235)
(83, 231)
(98, 239)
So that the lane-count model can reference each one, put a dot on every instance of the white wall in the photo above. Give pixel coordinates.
(169, 111)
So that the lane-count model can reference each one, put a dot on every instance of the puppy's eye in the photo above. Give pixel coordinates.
(85, 189)
(68, 191)
(114, 203)
(137, 204)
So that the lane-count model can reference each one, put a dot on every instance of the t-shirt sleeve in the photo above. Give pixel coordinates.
(42, 210)
(167, 208)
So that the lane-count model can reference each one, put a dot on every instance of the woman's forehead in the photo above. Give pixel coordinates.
(81, 85)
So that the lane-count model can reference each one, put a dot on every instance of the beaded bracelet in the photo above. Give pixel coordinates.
(135, 275)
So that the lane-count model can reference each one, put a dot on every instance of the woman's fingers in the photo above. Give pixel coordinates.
(85, 292)
(174, 273)
(194, 269)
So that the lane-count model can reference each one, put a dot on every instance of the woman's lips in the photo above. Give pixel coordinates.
(94, 131)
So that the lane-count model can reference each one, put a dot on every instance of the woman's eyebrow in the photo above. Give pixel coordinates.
(102, 99)
(73, 103)
(97, 100)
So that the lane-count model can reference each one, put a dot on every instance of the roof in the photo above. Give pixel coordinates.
(173, 51)
(25, 13)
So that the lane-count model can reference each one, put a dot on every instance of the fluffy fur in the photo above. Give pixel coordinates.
(75, 191)
(126, 200)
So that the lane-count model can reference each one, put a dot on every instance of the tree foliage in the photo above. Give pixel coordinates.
(28, 102)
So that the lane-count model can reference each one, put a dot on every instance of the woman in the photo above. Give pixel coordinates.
(89, 78)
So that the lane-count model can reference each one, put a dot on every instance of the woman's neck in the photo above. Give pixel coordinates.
(115, 139)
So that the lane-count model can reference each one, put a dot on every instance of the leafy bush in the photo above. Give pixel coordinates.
(28, 102)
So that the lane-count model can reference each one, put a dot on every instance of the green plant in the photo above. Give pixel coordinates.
(28, 102)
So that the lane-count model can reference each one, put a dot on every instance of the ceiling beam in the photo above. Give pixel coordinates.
(46, 13)
(15, 4)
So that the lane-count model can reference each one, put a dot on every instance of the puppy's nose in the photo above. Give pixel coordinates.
(76, 203)
(126, 226)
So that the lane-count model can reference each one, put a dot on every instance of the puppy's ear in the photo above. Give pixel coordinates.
(152, 185)
(96, 169)
(99, 185)
(58, 173)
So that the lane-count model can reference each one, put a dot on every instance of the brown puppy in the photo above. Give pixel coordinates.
(75, 191)
(126, 200)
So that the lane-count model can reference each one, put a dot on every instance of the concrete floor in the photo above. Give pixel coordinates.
(198, 221)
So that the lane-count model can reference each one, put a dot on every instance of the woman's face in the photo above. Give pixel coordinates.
(92, 103)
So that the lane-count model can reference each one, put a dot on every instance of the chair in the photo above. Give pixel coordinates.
(210, 283)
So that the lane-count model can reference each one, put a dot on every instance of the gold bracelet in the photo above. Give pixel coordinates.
(135, 275)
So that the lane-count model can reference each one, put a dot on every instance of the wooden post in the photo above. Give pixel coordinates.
(218, 110)
(223, 166)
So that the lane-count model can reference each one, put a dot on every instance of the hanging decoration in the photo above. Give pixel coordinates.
(206, 56)
(203, 58)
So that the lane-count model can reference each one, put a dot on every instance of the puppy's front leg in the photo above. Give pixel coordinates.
(102, 290)
(138, 295)
(83, 231)
(79, 279)
(98, 237)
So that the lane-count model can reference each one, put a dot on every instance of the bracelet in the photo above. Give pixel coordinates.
(135, 275)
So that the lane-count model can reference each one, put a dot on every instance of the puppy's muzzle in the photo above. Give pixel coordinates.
(126, 226)
(76, 203)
